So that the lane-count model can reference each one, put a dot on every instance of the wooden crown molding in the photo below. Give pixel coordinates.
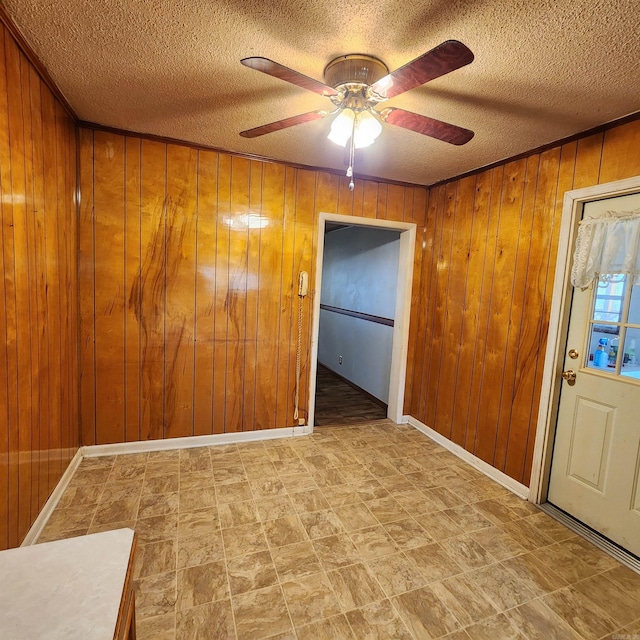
(545, 147)
(31, 56)
(239, 154)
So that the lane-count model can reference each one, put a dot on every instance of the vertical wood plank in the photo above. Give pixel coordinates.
(110, 279)
(286, 349)
(381, 206)
(501, 299)
(270, 282)
(237, 293)
(33, 436)
(565, 183)
(64, 284)
(132, 301)
(620, 157)
(468, 364)
(413, 311)
(222, 293)
(22, 286)
(358, 198)
(344, 206)
(87, 290)
(41, 444)
(180, 250)
(303, 252)
(53, 289)
(11, 330)
(370, 199)
(416, 326)
(475, 407)
(395, 202)
(43, 323)
(588, 159)
(72, 249)
(512, 361)
(5, 372)
(429, 279)
(446, 220)
(149, 288)
(257, 218)
(450, 363)
(206, 243)
(530, 333)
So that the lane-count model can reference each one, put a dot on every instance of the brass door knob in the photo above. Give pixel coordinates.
(569, 376)
(573, 354)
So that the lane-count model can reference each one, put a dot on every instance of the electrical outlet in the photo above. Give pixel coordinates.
(339, 359)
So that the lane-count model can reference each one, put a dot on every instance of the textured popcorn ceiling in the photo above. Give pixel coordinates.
(543, 70)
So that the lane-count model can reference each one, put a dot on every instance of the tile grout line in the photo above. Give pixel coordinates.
(224, 551)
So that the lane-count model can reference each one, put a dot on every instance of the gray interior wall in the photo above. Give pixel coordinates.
(359, 273)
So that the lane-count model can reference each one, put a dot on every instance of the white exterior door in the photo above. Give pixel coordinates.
(595, 472)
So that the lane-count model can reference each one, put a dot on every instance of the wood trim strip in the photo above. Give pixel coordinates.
(30, 54)
(358, 314)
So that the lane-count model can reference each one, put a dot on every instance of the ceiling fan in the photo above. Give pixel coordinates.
(357, 83)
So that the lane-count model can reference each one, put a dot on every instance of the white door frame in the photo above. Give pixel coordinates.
(558, 326)
(402, 313)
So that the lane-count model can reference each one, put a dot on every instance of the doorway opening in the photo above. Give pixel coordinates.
(360, 329)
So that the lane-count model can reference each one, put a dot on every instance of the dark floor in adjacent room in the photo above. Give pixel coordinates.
(337, 402)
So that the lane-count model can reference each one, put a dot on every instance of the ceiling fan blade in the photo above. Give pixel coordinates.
(446, 57)
(427, 126)
(283, 124)
(276, 70)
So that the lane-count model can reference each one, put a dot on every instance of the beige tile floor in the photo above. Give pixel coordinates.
(361, 532)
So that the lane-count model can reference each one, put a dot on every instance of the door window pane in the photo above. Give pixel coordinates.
(631, 354)
(613, 346)
(609, 298)
(634, 307)
(603, 348)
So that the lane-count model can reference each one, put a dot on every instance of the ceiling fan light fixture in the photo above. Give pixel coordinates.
(342, 127)
(367, 129)
(364, 127)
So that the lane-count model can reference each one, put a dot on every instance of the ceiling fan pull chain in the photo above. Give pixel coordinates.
(352, 155)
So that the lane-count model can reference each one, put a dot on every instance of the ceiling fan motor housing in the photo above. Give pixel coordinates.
(355, 68)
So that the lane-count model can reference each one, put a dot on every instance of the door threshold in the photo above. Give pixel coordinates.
(596, 539)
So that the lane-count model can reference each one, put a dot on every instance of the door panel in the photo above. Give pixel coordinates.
(595, 472)
(590, 439)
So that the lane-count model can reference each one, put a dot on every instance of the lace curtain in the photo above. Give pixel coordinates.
(607, 245)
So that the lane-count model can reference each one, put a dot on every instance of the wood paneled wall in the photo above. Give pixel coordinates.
(39, 429)
(485, 292)
(189, 261)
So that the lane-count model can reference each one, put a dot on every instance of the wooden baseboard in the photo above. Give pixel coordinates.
(46, 511)
(495, 474)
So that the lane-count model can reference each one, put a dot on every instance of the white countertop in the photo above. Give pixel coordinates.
(68, 589)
